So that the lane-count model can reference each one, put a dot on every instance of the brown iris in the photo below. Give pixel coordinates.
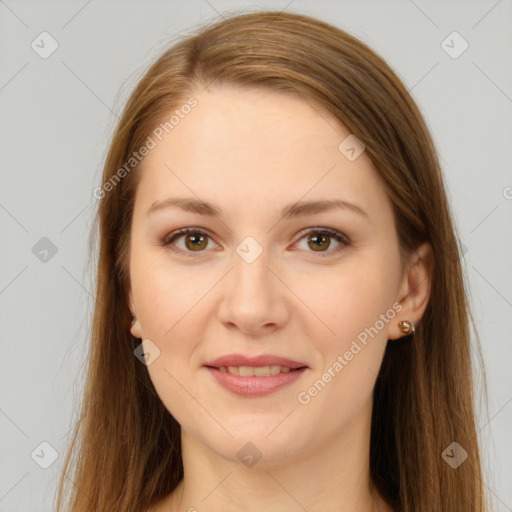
(319, 246)
(197, 243)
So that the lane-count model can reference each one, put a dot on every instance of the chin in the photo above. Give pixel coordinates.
(257, 448)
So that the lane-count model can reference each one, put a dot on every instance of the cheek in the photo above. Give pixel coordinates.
(171, 314)
(342, 301)
(166, 294)
(353, 303)
(350, 358)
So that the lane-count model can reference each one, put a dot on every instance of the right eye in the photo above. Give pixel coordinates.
(195, 240)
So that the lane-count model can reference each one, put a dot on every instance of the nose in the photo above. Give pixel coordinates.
(254, 299)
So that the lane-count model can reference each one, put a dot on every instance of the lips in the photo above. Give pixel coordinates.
(263, 360)
(254, 386)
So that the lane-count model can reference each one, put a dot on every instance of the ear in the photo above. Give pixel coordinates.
(135, 328)
(414, 291)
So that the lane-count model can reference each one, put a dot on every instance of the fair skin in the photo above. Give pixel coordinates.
(252, 152)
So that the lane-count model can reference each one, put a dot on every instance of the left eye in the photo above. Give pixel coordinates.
(317, 238)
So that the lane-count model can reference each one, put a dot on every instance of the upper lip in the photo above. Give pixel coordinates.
(263, 360)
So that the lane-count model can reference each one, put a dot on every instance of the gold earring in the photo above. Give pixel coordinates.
(407, 327)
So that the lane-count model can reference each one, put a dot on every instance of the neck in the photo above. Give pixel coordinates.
(333, 476)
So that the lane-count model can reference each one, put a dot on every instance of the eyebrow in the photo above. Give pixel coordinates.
(292, 210)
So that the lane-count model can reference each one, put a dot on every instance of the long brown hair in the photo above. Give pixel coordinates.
(125, 452)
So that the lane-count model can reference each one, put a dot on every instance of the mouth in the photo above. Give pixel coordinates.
(255, 381)
(256, 371)
(255, 376)
(266, 364)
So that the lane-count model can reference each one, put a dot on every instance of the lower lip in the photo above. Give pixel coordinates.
(253, 386)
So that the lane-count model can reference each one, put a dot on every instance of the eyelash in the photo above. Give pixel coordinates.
(339, 237)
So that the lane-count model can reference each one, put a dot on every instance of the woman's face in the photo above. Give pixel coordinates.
(251, 281)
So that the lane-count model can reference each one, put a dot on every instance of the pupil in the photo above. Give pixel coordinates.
(196, 240)
(319, 238)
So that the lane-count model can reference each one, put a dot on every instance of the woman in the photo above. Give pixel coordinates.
(281, 319)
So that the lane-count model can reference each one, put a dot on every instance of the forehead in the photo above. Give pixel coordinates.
(256, 147)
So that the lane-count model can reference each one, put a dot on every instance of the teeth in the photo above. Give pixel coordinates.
(258, 371)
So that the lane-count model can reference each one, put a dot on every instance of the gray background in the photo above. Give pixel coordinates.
(57, 115)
